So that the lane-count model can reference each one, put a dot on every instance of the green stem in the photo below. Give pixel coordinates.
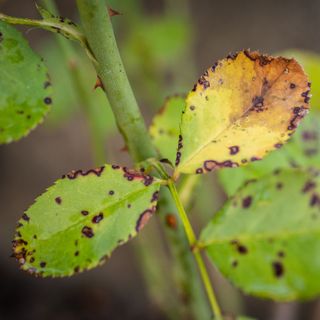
(192, 241)
(99, 32)
(98, 29)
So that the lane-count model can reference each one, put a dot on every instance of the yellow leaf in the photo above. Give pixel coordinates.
(241, 108)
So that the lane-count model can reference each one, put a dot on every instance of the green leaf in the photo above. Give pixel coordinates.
(25, 89)
(311, 64)
(303, 150)
(164, 129)
(82, 218)
(266, 239)
(241, 108)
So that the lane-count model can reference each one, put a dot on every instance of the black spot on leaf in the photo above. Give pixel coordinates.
(47, 100)
(25, 217)
(97, 218)
(246, 202)
(278, 269)
(58, 200)
(234, 150)
(87, 232)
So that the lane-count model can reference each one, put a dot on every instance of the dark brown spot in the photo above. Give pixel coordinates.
(281, 254)
(306, 96)
(242, 249)
(199, 171)
(278, 145)
(299, 113)
(87, 232)
(171, 221)
(214, 66)
(232, 55)
(279, 185)
(115, 167)
(25, 217)
(310, 185)
(257, 104)
(84, 212)
(276, 172)
(292, 85)
(129, 206)
(76, 253)
(192, 108)
(155, 196)
(246, 202)
(35, 236)
(131, 175)
(314, 200)
(211, 165)
(75, 173)
(111, 192)
(234, 263)
(47, 100)
(76, 269)
(97, 218)
(203, 81)
(43, 264)
(32, 259)
(234, 150)
(239, 247)
(309, 135)
(58, 200)
(178, 158)
(278, 269)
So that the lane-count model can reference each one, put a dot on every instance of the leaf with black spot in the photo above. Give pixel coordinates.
(77, 223)
(303, 151)
(271, 247)
(241, 108)
(25, 88)
(164, 129)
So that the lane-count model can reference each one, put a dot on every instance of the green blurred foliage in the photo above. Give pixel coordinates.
(67, 95)
(155, 48)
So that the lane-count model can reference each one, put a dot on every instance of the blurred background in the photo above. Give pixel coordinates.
(166, 45)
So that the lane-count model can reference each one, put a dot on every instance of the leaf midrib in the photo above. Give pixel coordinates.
(266, 236)
(89, 217)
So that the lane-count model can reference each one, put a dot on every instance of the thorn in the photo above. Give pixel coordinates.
(72, 64)
(124, 149)
(98, 84)
(113, 12)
